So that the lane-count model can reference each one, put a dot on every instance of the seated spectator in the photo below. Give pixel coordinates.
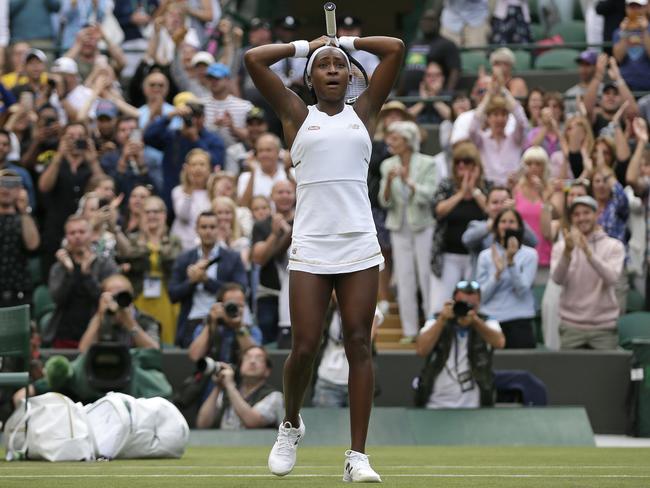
(271, 241)
(503, 59)
(25, 178)
(134, 19)
(226, 330)
(238, 154)
(248, 402)
(576, 144)
(20, 125)
(268, 167)
(224, 184)
(85, 51)
(101, 213)
(506, 273)
(431, 86)
(132, 212)
(511, 22)
(613, 205)
(332, 367)
(177, 143)
(62, 185)
(465, 22)
(18, 238)
(190, 198)
(128, 163)
(224, 112)
(15, 75)
(586, 63)
(407, 186)
(348, 25)
(72, 93)
(189, 70)
(150, 255)
(535, 196)
(458, 200)
(587, 264)
(458, 345)
(35, 68)
(460, 103)
(260, 208)
(198, 274)
(629, 49)
(479, 236)
(547, 134)
(74, 284)
(533, 105)
(44, 141)
(229, 233)
(430, 47)
(500, 151)
(170, 30)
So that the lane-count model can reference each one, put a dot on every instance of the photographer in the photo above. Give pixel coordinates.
(18, 237)
(248, 402)
(458, 347)
(224, 332)
(119, 319)
(176, 143)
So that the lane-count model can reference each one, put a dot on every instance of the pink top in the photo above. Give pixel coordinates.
(531, 212)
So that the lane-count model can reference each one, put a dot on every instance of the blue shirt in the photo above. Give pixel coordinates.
(510, 297)
(635, 68)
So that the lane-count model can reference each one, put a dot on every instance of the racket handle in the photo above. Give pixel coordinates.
(330, 19)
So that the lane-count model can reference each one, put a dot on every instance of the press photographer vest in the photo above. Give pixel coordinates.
(253, 397)
(480, 360)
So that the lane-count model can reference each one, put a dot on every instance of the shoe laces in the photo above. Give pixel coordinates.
(287, 438)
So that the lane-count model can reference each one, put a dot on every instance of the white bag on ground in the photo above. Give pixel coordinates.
(126, 427)
(52, 427)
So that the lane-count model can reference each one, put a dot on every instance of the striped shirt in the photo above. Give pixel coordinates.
(235, 106)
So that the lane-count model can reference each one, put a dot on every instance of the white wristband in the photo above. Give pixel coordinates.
(347, 43)
(302, 49)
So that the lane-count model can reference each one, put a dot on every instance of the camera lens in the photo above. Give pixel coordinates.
(123, 299)
(461, 308)
(231, 309)
(208, 366)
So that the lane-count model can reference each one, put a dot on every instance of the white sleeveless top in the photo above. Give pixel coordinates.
(330, 156)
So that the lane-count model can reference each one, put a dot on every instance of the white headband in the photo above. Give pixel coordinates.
(329, 46)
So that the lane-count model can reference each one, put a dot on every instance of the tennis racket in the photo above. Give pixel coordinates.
(359, 80)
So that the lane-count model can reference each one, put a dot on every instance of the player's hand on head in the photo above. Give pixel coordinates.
(318, 42)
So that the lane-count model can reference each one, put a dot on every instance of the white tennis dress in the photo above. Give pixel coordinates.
(333, 230)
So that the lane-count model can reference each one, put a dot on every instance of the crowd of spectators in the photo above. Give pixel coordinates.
(133, 142)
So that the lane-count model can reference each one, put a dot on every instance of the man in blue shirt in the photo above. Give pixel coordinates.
(630, 42)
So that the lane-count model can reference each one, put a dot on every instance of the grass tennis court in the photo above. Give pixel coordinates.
(226, 467)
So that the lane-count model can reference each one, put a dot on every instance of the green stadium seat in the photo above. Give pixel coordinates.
(472, 60)
(633, 327)
(34, 266)
(14, 342)
(635, 301)
(557, 59)
(42, 301)
(570, 31)
(522, 60)
(538, 32)
(578, 14)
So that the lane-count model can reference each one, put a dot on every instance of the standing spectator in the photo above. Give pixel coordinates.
(500, 151)
(237, 154)
(348, 25)
(457, 201)
(25, 178)
(224, 184)
(506, 273)
(133, 210)
(458, 345)
(430, 47)
(271, 240)
(30, 21)
(230, 235)
(588, 264)
(191, 197)
(189, 70)
(35, 67)
(576, 145)
(290, 70)
(177, 143)
(630, 41)
(264, 171)
(224, 112)
(74, 284)
(62, 184)
(71, 92)
(465, 22)
(198, 274)
(586, 63)
(85, 51)
(613, 11)
(460, 103)
(134, 19)
(547, 134)
(533, 106)
(15, 74)
(76, 15)
(407, 187)
(503, 59)
(150, 256)
(18, 237)
(613, 206)
(430, 86)
(511, 22)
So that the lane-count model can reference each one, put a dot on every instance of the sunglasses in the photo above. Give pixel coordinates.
(156, 85)
(465, 161)
(468, 286)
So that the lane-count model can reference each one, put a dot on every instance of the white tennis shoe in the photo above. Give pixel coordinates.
(283, 454)
(357, 469)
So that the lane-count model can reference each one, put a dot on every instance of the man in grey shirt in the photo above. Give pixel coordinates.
(586, 63)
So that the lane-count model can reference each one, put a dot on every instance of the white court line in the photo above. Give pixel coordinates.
(104, 464)
(400, 475)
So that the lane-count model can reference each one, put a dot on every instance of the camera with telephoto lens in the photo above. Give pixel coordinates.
(461, 308)
(232, 311)
(123, 299)
(197, 111)
(208, 366)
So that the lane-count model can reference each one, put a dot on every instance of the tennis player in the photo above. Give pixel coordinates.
(334, 243)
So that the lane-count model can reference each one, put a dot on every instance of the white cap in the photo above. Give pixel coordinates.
(202, 57)
(638, 2)
(66, 66)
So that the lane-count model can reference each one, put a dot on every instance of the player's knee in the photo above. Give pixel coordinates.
(357, 346)
(305, 353)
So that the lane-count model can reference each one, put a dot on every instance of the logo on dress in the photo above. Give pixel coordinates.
(294, 250)
(353, 126)
(313, 127)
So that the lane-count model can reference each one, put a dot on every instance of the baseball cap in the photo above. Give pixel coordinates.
(588, 57)
(584, 200)
(202, 57)
(349, 21)
(183, 98)
(106, 108)
(255, 113)
(610, 84)
(638, 2)
(288, 22)
(36, 53)
(66, 66)
(257, 23)
(218, 70)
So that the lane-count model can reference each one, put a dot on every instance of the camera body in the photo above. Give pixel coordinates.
(208, 366)
(197, 111)
(232, 311)
(81, 144)
(461, 308)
